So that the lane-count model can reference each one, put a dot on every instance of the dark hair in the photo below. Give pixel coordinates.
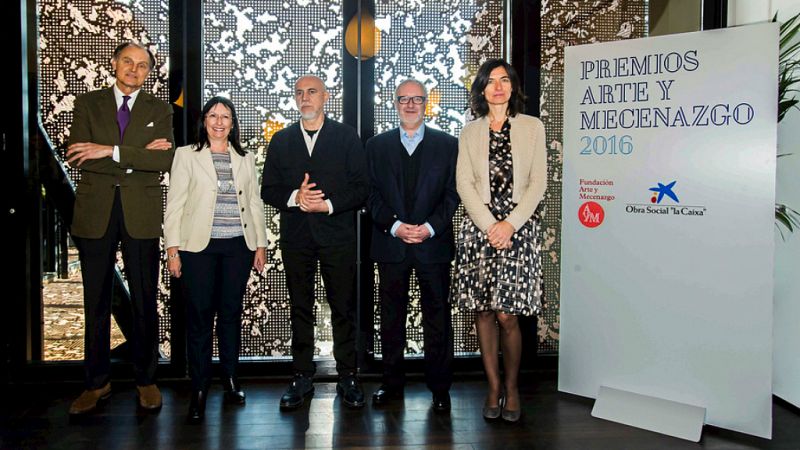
(125, 45)
(233, 136)
(477, 102)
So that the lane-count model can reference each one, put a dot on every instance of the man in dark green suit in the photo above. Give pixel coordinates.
(121, 139)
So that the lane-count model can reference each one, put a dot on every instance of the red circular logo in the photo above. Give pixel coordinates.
(591, 214)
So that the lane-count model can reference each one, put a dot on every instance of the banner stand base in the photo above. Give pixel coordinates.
(650, 413)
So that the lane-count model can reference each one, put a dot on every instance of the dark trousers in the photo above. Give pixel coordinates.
(214, 281)
(434, 284)
(338, 270)
(98, 260)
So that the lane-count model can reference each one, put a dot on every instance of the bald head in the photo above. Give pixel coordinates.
(310, 95)
(311, 80)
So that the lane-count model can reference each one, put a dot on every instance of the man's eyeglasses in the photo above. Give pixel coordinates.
(416, 99)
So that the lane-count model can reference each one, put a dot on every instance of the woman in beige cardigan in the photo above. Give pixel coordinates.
(214, 231)
(501, 177)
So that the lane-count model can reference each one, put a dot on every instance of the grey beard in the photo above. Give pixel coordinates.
(309, 116)
(417, 121)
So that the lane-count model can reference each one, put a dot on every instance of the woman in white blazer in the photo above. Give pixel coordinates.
(501, 177)
(214, 232)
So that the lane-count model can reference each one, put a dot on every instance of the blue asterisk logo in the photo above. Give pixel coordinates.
(661, 190)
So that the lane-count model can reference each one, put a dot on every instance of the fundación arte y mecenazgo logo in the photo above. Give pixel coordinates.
(591, 214)
(661, 192)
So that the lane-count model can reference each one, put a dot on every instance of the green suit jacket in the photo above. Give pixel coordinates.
(95, 120)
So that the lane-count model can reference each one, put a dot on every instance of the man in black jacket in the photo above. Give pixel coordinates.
(412, 202)
(315, 174)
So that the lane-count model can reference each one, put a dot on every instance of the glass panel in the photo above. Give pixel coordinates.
(253, 53)
(441, 44)
(76, 42)
(674, 16)
(569, 24)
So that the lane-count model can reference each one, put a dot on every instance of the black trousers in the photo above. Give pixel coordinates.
(338, 270)
(98, 260)
(214, 281)
(434, 284)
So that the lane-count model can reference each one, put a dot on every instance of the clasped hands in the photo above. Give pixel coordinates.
(309, 199)
(82, 151)
(499, 235)
(412, 234)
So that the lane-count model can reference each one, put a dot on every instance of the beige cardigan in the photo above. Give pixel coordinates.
(192, 197)
(529, 169)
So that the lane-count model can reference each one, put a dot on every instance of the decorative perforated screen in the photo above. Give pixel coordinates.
(441, 44)
(76, 42)
(570, 23)
(253, 51)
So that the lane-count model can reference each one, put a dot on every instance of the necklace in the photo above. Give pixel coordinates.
(229, 183)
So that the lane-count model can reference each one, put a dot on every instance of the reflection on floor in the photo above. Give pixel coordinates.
(35, 416)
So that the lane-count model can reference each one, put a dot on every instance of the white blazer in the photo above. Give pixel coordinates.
(192, 198)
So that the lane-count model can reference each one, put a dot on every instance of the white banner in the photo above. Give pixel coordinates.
(668, 211)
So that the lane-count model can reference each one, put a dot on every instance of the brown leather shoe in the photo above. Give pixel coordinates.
(87, 401)
(149, 396)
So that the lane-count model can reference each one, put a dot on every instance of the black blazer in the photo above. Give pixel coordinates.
(436, 195)
(337, 166)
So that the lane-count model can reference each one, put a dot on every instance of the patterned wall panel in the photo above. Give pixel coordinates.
(441, 44)
(253, 51)
(570, 23)
(76, 41)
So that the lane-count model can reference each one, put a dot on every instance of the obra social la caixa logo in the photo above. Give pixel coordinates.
(664, 201)
(591, 214)
(663, 190)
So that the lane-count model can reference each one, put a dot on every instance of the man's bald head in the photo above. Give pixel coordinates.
(310, 95)
(312, 79)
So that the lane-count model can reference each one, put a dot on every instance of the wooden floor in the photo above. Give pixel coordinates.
(35, 416)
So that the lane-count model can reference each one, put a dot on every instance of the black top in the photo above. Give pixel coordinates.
(434, 194)
(338, 167)
(411, 168)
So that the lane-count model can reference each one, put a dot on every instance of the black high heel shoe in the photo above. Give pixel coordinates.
(197, 406)
(234, 395)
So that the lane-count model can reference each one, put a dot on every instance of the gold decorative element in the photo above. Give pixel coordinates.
(179, 101)
(271, 127)
(432, 108)
(370, 37)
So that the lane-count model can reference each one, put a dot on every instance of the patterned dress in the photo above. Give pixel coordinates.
(509, 280)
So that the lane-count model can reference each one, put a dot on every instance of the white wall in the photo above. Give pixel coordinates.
(786, 356)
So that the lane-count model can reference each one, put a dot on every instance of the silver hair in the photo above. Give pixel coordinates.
(411, 80)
